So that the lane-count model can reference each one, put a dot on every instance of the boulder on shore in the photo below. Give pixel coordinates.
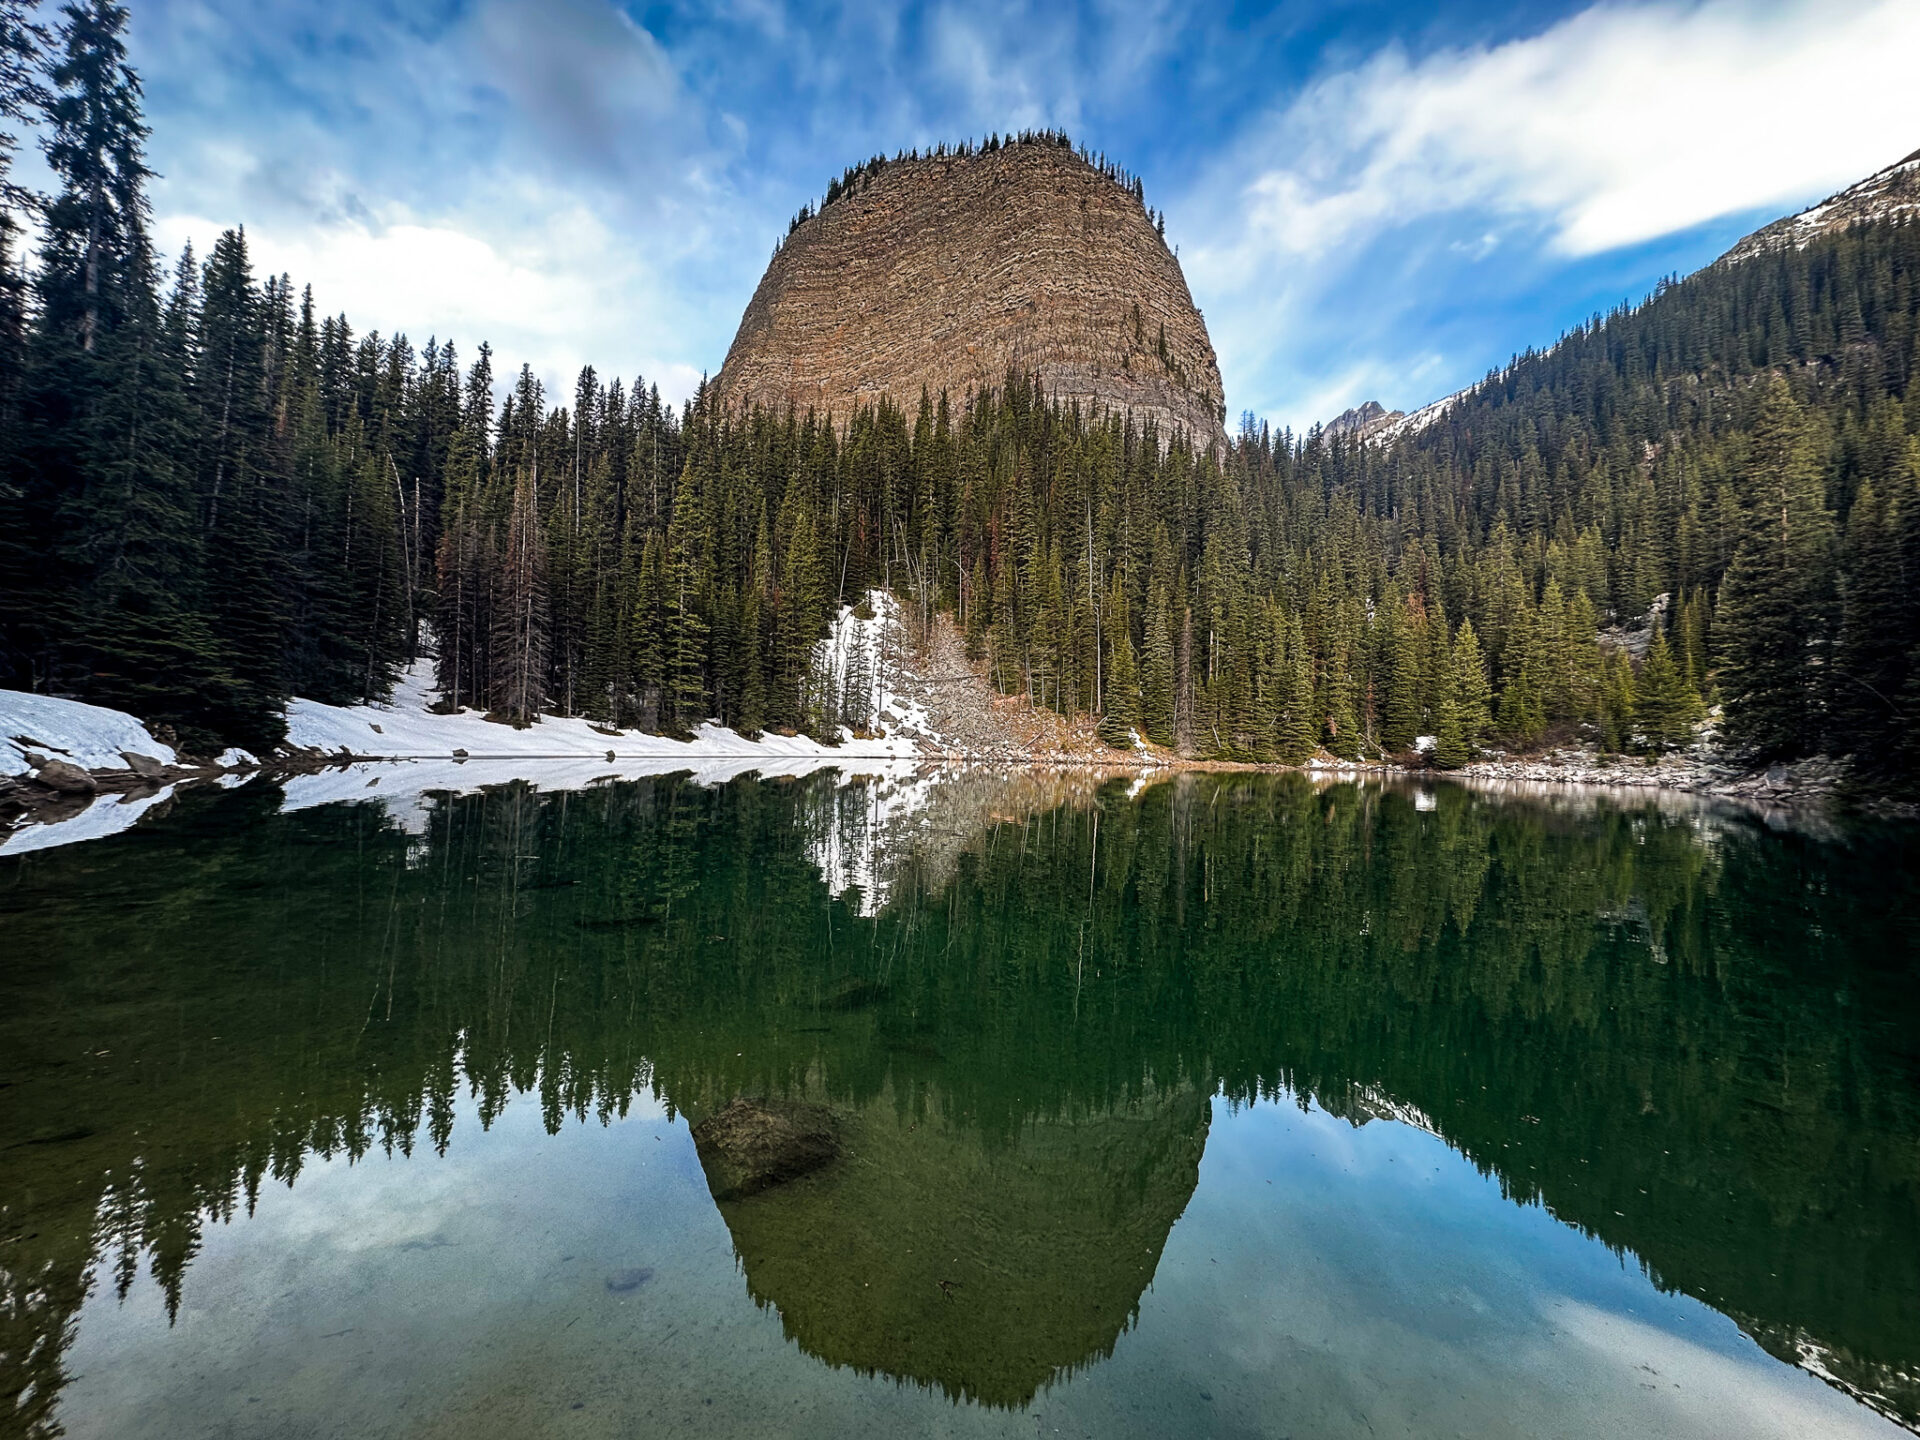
(754, 1144)
(145, 766)
(67, 778)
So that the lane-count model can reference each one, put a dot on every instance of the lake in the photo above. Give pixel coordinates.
(1230, 1105)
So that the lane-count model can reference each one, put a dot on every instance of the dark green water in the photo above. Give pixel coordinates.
(1232, 1107)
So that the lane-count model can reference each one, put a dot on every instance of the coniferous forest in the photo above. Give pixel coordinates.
(213, 496)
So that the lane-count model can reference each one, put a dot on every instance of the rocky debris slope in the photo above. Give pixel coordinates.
(943, 273)
(970, 720)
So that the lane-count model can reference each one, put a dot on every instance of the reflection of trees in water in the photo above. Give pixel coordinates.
(1702, 1027)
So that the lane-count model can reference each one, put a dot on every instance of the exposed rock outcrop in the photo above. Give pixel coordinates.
(1889, 194)
(1362, 422)
(68, 779)
(943, 273)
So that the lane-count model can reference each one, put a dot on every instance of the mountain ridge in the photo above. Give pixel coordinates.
(1889, 193)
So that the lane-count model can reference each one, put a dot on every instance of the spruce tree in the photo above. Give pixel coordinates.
(1472, 692)
(1617, 702)
(1400, 718)
(1871, 658)
(1450, 736)
(685, 647)
(1298, 728)
(1157, 671)
(1664, 706)
(1774, 604)
(517, 689)
(1121, 715)
(23, 43)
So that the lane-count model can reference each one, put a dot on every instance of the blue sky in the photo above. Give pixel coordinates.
(1371, 200)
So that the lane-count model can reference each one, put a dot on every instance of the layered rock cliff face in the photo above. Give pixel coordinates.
(945, 272)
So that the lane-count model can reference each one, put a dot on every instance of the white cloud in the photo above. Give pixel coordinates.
(560, 294)
(535, 176)
(1618, 125)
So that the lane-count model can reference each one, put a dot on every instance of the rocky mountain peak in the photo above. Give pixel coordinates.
(1362, 422)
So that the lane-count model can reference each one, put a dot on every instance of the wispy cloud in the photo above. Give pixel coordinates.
(1614, 127)
(535, 175)
(1373, 201)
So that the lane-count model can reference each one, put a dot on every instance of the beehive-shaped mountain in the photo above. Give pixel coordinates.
(943, 272)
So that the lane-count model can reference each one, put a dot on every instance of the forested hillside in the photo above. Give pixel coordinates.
(213, 498)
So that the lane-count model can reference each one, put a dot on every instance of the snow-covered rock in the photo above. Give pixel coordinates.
(90, 736)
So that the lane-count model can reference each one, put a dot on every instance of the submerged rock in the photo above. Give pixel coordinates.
(621, 1282)
(752, 1145)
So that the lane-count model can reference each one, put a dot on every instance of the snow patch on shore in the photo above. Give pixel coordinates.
(854, 668)
(406, 728)
(90, 736)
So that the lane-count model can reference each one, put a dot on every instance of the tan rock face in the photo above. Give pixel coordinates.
(943, 273)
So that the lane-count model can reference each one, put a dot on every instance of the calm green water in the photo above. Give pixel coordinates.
(1232, 1107)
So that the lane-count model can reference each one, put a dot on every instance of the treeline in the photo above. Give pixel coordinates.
(856, 178)
(213, 499)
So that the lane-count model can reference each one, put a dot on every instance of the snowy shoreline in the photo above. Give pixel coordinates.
(74, 771)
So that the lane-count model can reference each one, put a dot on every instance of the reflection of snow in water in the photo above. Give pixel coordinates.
(107, 815)
(862, 828)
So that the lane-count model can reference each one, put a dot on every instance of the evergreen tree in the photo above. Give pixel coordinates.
(1472, 692)
(1298, 726)
(1400, 721)
(1872, 657)
(1157, 669)
(1773, 612)
(1664, 706)
(518, 684)
(1617, 703)
(686, 638)
(1121, 715)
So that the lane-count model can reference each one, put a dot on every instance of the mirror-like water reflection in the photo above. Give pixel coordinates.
(1226, 1105)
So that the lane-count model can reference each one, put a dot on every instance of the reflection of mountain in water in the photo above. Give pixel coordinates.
(1690, 1038)
(985, 1268)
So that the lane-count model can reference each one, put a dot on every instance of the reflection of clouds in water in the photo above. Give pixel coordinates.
(385, 1202)
(1397, 1290)
(1701, 1389)
(469, 1291)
